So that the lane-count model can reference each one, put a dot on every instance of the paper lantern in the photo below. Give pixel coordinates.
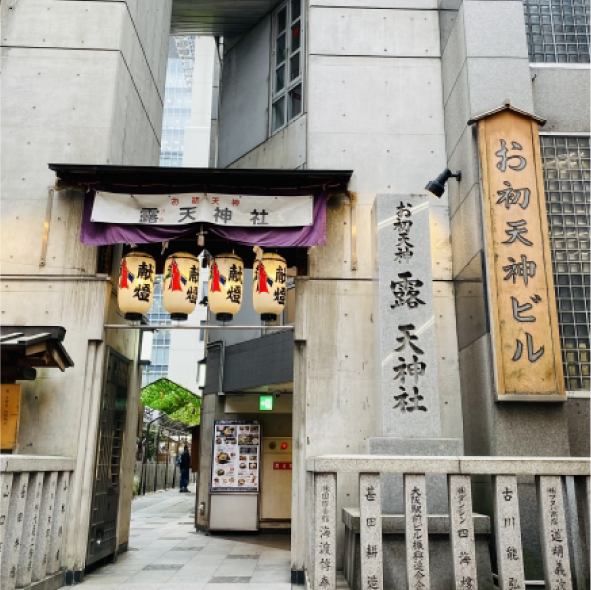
(181, 285)
(269, 286)
(225, 286)
(136, 285)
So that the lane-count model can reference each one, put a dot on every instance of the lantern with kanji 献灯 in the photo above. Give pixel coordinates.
(225, 286)
(181, 285)
(269, 286)
(136, 285)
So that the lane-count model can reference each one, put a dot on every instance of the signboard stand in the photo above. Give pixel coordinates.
(236, 456)
(235, 475)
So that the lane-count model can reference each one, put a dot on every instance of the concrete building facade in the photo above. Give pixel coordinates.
(82, 82)
(388, 91)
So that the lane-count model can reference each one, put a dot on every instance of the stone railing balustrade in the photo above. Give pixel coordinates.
(33, 508)
(550, 474)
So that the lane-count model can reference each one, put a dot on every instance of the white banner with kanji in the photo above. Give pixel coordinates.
(219, 209)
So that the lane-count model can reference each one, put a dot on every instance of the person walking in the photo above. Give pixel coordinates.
(185, 465)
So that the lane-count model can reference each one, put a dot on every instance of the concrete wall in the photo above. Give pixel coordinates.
(372, 103)
(198, 132)
(259, 362)
(286, 149)
(486, 42)
(389, 88)
(373, 106)
(561, 96)
(244, 98)
(484, 62)
(82, 83)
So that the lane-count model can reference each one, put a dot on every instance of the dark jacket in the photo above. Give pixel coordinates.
(185, 460)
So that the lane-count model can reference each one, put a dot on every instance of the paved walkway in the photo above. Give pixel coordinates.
(166, 553)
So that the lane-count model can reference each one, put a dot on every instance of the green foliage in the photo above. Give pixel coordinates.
(173, 400)
(188, 414)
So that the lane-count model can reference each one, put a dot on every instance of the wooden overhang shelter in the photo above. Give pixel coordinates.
(78, 175)
(25, 348)
(150, 179)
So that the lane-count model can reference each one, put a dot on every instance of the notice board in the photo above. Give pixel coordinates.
(235, 465)
(11, 404)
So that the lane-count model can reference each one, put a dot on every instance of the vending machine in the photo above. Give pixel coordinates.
(235, 476)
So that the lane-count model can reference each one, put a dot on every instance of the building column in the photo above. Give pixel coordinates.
(82, 82)
(485, 63)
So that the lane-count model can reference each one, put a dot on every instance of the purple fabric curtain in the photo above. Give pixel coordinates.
(103, 234)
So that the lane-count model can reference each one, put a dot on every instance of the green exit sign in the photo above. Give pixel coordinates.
(266, 403)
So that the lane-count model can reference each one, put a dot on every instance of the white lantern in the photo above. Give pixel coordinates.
(181, 285)
(269, 286)
(225, 286)
(136, 285)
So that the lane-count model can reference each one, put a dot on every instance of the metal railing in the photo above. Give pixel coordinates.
(550, 475)
(33, 508)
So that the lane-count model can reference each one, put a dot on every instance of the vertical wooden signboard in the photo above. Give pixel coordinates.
(524, 321)
(11, 403)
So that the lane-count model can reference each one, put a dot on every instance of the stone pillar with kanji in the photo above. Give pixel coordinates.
(408, 400)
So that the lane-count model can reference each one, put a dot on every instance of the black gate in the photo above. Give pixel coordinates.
(102, 534)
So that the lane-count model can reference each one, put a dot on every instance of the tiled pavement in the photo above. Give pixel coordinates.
(166, 553)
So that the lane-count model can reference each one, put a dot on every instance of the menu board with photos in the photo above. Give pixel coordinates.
(236, 456)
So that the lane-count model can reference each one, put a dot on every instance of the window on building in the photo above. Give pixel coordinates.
(287, 76)
(158, 367)
(566, 162)
(557, 30)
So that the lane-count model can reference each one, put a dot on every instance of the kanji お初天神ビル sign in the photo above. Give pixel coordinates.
(523, 308)
(219, 209)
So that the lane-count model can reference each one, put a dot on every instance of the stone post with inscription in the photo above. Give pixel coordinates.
(408, 405)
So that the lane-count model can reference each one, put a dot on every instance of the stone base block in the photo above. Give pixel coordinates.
(392, 489)
(50, 583)
(440, 555)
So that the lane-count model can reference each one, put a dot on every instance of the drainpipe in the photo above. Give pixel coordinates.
(142, 486)
(166, 463)
(174, 470)
(222, 346)
(156, 466)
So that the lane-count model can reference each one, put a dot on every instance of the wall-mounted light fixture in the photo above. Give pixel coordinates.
(437, 187)
(201, 373)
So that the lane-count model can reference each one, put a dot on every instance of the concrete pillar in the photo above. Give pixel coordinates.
(485, 62)
(198, 130)
(82, 83)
